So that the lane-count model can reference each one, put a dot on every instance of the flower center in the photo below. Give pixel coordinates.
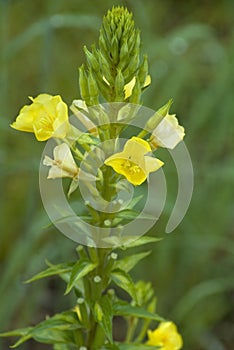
(131, 167)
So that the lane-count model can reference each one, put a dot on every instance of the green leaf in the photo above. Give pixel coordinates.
(110, 347)
(135, 201)
(128, 263)
(61, 347)
(126, 309)
(56, 329)
(52, 271)
(103, 314)
(79, 270)
(16, 332)
(124, 281)
(131, 243)
(139, 346)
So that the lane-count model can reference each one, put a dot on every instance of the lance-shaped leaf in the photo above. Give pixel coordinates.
(128, 263)
(124, 281)
(131, 243)
(121, 308)
(79, 270)
(103, 314)
(52, 271)
(56, 329)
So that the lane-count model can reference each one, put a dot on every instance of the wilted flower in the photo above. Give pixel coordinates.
(63, 164)
(132, 162)
(168, 133)
(165, 337)
(47, 117)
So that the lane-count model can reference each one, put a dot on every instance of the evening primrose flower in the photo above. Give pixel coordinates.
(168, 133)
(165, 337)
(132, 161)
(47, 117)
(63, 164)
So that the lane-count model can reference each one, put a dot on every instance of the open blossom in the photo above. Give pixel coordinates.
(165, 337)
(63, 164)
(132, 161)
(168, 133)
(46, 117)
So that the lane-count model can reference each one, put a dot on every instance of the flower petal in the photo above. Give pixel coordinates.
(152, 164)
(168, 133)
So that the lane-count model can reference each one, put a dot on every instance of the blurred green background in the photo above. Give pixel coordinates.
(190, 47)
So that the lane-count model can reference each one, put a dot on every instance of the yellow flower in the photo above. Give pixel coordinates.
(63, 164)
(168, 133)
(132, 162)
(47, 117)
(166, 337)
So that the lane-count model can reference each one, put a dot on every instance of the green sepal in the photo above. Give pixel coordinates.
(153, 122)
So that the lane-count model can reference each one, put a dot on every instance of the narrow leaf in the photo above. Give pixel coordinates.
(139, 346)
(124, 281)
(106, 324)
(135, 241)
(125, 309)
(52, 271)
(128, 263)
(79, 270)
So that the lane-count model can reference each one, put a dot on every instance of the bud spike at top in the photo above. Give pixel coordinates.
(118, 55)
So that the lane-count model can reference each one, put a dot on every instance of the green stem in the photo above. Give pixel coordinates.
(131, 328)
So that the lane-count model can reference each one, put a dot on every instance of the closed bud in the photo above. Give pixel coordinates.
(119, 86)
(133, 64)
(143, 71)
(119, 31)
(137, 41)
(123, 52)
(92, 61)
(83, 82)
(93, 89)
(158, 116)
(114, 49)
(103, 42)
(131, 40)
